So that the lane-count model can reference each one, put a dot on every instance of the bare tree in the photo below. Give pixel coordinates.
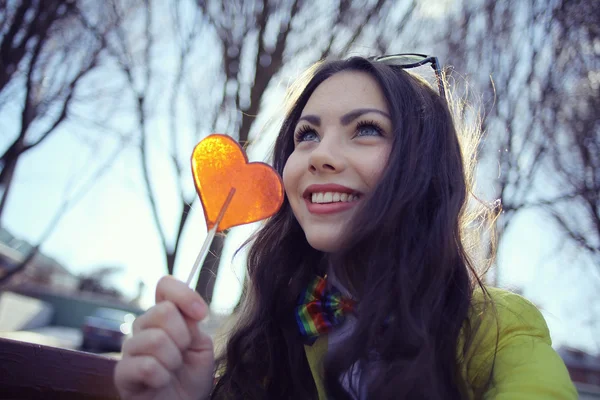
(135, 54)
(509, 50)
(574, 133)
(46, 51)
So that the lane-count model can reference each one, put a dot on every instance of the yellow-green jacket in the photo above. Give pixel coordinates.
(526, 367)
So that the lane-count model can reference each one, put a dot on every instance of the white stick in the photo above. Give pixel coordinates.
(209, 238)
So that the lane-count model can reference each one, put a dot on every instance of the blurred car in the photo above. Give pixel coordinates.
(106, 329)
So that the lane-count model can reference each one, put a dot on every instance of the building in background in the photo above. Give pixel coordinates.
(40, 271)
(584, 369)
(43, 274)
(45, 298)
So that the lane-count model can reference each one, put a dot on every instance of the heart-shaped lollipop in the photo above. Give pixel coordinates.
(232, 190)
(218, 165)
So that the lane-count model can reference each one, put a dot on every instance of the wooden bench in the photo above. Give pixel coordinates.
(33, 371)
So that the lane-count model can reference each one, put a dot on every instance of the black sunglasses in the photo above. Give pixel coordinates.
(413, 60)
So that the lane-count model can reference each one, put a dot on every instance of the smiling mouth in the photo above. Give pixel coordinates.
(333, 197)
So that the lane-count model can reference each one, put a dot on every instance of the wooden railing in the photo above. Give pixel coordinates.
(33, 371)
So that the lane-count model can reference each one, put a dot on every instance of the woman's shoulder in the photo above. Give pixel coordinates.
(495, 316)
(511, 338)
(508, 313)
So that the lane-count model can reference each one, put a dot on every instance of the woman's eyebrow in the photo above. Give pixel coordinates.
(352, 115)
(313, 119)
(346, 118)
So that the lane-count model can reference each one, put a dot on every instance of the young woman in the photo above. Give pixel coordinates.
(362, 285)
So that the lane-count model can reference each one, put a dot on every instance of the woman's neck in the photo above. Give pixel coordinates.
(339, 280)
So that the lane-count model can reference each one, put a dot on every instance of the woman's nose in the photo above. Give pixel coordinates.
(326, 157)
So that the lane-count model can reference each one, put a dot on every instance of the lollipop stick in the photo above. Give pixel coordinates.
(209, 238)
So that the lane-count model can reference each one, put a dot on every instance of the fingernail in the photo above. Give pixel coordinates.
(199, 309)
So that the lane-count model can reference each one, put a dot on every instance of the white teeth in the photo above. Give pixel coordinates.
(332, 197)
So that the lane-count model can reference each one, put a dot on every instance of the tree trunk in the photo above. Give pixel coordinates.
(170, 261)
(10, 159)
(210, 268)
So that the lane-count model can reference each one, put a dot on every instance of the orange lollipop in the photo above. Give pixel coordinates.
(232, 190)
(218, 165)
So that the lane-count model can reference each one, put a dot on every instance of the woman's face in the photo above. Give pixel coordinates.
(342, 143)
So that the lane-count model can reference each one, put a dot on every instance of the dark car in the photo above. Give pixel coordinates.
(106, 329)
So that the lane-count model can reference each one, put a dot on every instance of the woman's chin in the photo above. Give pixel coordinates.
(324, 243)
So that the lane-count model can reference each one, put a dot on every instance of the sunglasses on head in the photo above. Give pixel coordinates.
(413, 60)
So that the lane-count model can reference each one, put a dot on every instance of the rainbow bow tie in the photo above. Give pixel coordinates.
(320, 309)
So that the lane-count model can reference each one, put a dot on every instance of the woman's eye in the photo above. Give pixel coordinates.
(306, 134)
(368, 129)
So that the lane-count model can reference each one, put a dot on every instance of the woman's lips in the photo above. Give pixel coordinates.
(331, 206)
(328, 187)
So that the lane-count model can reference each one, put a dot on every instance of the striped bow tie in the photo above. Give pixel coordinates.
(320, 309)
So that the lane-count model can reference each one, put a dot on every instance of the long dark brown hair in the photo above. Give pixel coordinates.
(404, 260)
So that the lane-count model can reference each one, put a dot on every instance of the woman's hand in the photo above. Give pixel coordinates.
(168, 356)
